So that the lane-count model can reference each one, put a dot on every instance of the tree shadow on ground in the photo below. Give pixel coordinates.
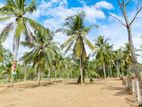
(72, 83)
(20, 86)
(4, 89)
(76, 83)
(132, 102)
(122, 91)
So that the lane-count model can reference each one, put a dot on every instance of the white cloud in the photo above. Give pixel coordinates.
(104, 4)
(92, 14)
(59, 13)
(58, 16)
(45, 5)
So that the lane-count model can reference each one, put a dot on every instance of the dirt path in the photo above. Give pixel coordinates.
(107, 93)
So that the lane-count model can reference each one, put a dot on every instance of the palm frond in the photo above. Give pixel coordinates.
(69, 46)
(10, 2)
(68, 42)
(89, 44)
(5, 32)
(31, 7)
(34, 24)
(16, 42)
(27, 44)
(6, 9)
(5, 18)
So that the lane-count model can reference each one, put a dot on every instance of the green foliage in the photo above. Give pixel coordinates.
(46, 58)
(17, 9)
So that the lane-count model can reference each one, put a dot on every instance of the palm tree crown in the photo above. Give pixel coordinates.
(76, 30)
(74, 27)
(18, 9)
(43, 49)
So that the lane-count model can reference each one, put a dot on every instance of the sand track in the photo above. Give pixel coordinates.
(108, 93)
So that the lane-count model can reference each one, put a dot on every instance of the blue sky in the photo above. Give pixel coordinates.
(52, 14)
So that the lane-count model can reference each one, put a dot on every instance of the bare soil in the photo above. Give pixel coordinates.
(102, 93)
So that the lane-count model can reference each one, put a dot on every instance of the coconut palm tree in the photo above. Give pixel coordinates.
(103, 53)
(116, 60)
(76, 30)
(17, 9)
(91, 70)
(122, 60)
(59, 64)
(5, 55)
(43, 49)
(5, 63)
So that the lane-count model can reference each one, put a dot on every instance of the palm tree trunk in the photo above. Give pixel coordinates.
(81, 71)
(68, 77)
(25, 73)
(49, 75)
(104, 70)
(110, 67)
(122, 73)
(117, 70)
(55, 75)
(61, 77)
(109, 73)
(38, 75)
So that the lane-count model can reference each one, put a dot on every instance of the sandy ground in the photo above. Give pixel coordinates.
(103, 93)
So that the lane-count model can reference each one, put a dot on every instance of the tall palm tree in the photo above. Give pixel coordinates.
(42, 53)
(76, 30)
(18, 9)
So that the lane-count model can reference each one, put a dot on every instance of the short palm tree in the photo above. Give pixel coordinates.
(5, 63)
(117, 60)
(103, 52)
(76, 30)
(91, 70)
(58, 64)
(42, 51)
(18, 9)
(5, 55)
